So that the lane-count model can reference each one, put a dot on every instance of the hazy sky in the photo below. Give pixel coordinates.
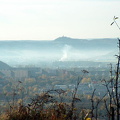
(49, 19)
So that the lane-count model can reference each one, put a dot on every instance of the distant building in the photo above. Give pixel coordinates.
(19, 74)
(63, 87)
(7, 73)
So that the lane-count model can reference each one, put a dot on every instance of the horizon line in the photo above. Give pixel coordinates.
(54, 39)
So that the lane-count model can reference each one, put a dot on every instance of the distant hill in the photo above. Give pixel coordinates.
(27, 44)
(104, 43)
(4, 66)
(60, 49)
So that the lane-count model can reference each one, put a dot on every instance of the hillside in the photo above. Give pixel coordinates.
(4, 66)
(60, 49)
(105, 43)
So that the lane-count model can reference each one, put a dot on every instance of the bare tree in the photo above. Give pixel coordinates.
(117, 73)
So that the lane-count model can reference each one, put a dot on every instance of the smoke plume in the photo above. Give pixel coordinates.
(65, 51)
